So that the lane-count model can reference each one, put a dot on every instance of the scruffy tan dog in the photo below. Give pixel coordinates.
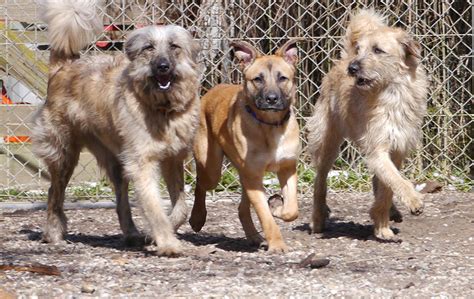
(376, 97)
(137, 113)
(253, 125)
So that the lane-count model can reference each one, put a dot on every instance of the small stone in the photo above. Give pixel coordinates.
(319, 263)
(313, 263)
(409, 285)
(87, 288)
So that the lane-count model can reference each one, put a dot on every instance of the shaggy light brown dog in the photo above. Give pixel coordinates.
(376, 97)
(137, 113)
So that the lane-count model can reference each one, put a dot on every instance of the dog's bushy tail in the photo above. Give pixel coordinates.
(363, 22)
(72, 25)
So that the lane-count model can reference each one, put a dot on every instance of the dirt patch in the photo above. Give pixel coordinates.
(435, 257)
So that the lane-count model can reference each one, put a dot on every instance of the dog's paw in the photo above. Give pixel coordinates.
(277, 247)
(197, 220)
(53, 240)
(53, 236)
(384, 233)
(137, 240)
(319, 219)
(317, 228)
(275, 203)
(169, 248)
(318, 225)
(256, 239)
(416, 205)
(395, 215)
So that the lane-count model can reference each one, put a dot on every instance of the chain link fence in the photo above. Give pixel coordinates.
(444, 29)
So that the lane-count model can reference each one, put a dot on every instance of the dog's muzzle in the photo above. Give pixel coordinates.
(162, 71)
(270, 102)
(354, 70)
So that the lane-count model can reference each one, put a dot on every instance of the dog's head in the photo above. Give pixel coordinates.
(377, 54)
(162, 56)
(268, 79)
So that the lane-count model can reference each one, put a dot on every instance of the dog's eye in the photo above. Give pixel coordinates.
(174, 47)
(257, 79)
(148, 48)
(377, 50)
(282, 79)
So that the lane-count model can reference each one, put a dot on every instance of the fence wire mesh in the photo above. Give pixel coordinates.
(444, 28)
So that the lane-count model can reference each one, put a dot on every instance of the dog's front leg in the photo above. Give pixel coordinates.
(288, 181)
(253, 188)
(173, 172)
(145, 176)
(386, 171)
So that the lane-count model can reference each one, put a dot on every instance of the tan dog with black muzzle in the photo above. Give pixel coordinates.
(254, 127)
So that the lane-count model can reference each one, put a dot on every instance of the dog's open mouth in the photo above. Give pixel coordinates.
(363, 81)
(164, 81)
(272, 109)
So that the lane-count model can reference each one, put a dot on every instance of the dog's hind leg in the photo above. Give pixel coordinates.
(107, 160)
(380, 211)
(245, 218)
(209, 157)
(324, 141)
(173, 173)
(323, 166)
(386, 170)
(395, 214)
(131, 235)
(115, 172)
(60, 172)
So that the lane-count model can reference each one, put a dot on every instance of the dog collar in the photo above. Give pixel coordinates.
(276, 124)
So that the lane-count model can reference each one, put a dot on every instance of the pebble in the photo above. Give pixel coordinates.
(358, 267)
(87, 288)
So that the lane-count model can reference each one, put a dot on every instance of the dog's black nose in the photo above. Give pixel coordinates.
(163, 66)
(271, 98)
(353, 68)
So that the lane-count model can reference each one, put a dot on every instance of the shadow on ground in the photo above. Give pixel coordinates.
(336, 228)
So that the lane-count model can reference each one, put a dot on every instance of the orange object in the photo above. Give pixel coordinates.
(6, 100)
(16, 139)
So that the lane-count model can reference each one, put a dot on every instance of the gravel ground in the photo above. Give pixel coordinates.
(434, 258)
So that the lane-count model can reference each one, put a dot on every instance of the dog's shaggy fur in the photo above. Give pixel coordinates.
(135, 112)
(376, 97)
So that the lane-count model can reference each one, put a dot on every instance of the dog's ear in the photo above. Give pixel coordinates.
(195, 49)
(131, 49)
(289, 52)
(245, 53)
(412, 49)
